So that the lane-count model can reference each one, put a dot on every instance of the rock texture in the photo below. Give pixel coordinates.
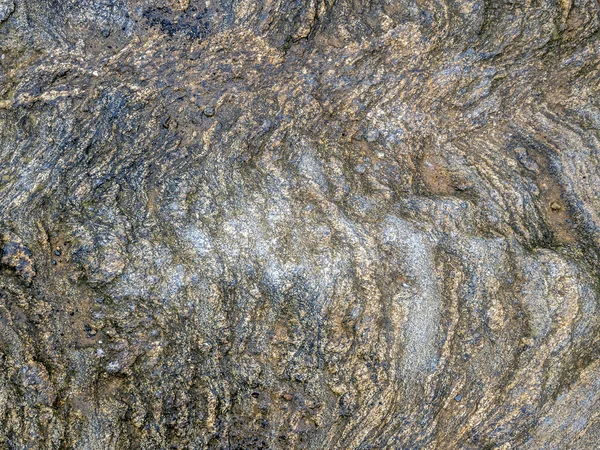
(311, 224)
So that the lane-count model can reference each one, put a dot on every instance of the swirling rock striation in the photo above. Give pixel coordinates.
(341, 224)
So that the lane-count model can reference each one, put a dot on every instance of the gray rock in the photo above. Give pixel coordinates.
(7, 7)
(283, 275)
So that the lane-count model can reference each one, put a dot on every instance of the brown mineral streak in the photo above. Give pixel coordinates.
(264, 224)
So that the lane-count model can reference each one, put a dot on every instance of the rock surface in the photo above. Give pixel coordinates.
(316, 224)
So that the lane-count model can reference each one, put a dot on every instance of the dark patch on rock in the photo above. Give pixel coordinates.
(17, 256)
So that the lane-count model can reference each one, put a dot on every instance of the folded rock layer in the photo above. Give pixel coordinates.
(312, 224)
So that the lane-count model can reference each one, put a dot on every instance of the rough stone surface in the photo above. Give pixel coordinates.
(313, 224)
(6, 9)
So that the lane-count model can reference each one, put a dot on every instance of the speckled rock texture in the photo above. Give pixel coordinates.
(309, 224)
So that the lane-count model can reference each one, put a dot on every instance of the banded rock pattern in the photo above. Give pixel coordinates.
(340, 224)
